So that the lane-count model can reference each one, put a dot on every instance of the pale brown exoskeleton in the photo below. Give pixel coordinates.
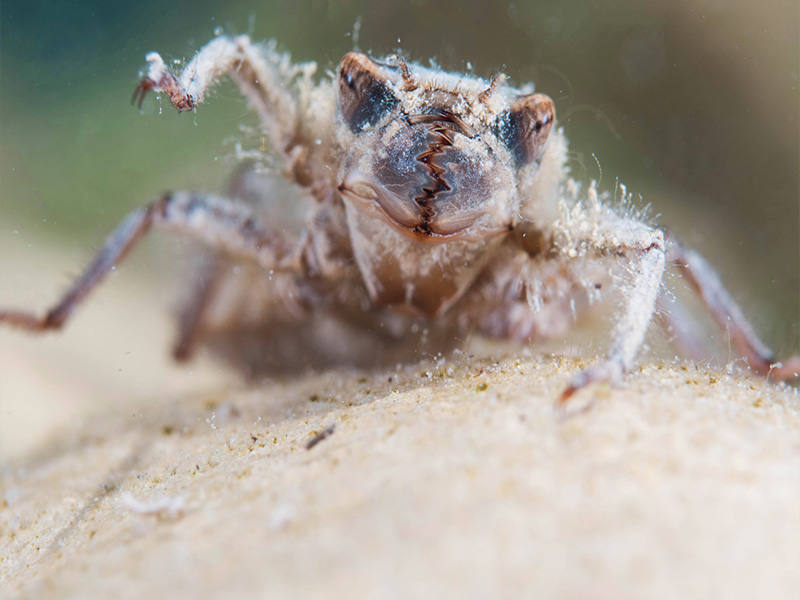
(437, 201)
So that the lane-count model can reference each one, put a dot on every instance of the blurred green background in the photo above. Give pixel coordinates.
(692, 104)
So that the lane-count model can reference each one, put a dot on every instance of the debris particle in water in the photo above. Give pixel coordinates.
(325, 433)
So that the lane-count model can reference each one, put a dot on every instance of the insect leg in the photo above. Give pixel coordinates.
(207, 281)
(216, 221)
(262, 74)
(646, 255)
(192, 313)
(727, 314)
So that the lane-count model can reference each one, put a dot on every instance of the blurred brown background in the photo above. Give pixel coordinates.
(693, 105)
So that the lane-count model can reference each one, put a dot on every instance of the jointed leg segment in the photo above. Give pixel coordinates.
(193, 312)
(645, 251)
(263, 76)
(727, 313)
(216, 221)
(647, 268)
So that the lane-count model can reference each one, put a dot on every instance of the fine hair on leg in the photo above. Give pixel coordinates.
(216, 221)
(646, 257)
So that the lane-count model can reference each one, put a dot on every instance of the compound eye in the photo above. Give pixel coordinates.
(525, 127)
(364, 96)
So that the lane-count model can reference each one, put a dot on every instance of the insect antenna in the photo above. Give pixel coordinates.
(497, 80)
(409, 83)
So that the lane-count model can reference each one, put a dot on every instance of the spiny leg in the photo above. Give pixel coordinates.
(216, 221)
(117, 245)
(727, 314)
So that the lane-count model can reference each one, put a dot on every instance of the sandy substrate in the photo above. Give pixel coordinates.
(438, 479)
(456, 479)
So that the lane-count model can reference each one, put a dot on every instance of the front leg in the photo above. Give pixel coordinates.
(642, 250)
(216, 221)
(264, 76)
(590, 231)
(645, 252)
(538, 290)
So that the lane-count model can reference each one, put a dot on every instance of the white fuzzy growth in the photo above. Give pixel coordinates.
(541, 187)
(155, 66)
(589, 229)
(589, 226)
(212, 61)
(639, 301)
(276, 88)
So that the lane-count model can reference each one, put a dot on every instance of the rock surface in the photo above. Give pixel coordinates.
(456, 478)
(442, 478)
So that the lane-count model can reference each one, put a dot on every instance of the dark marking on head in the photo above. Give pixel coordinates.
(525, 127)
(364, 96)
